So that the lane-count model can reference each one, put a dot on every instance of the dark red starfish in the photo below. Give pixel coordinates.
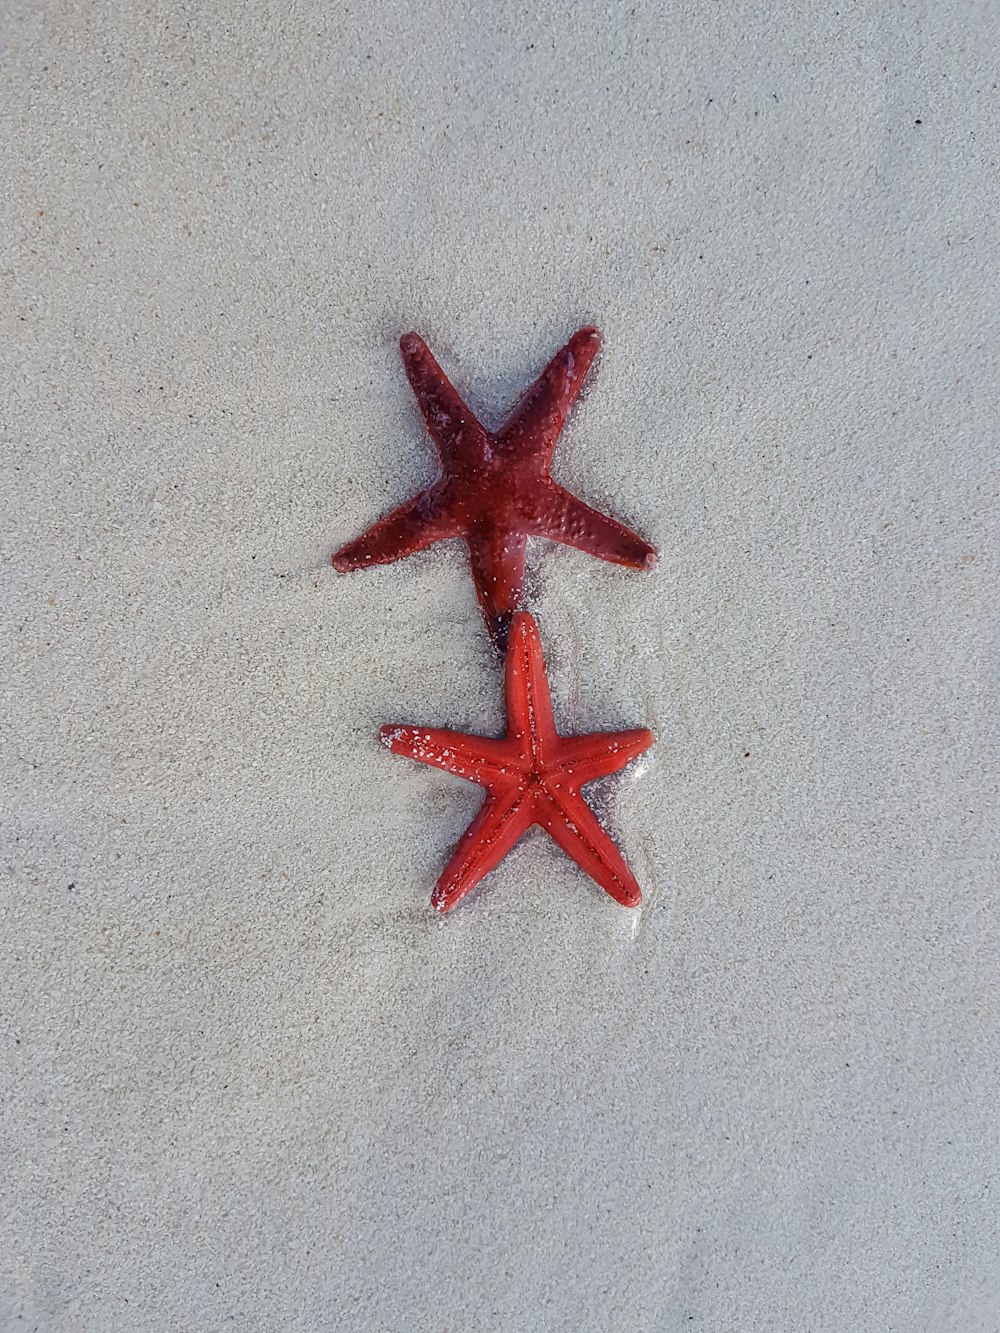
(532, 776)
(495, 490)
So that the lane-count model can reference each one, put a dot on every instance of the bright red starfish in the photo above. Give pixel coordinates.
(494, 489)
(532, 776)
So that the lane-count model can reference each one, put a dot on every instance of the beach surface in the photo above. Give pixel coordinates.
(249, 1078)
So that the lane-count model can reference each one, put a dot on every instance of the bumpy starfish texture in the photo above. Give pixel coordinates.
(532, 776)
(494, 489)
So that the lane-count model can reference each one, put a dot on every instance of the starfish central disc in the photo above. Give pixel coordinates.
(532, 775)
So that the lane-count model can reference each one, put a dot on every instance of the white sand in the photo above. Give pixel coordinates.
(249, 1079)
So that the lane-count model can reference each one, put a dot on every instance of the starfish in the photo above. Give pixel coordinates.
(494, 490)
(532, 776)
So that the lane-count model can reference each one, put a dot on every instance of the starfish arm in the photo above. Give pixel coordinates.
(479, 758)
(497, 560)
(529, 705)
(503, 818)
(459, 437)
(561, 517)
(574, 826)
(410, 528)
(534, 427)
(584, 758)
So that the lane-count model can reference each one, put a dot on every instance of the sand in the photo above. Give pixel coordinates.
(249, 1079)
